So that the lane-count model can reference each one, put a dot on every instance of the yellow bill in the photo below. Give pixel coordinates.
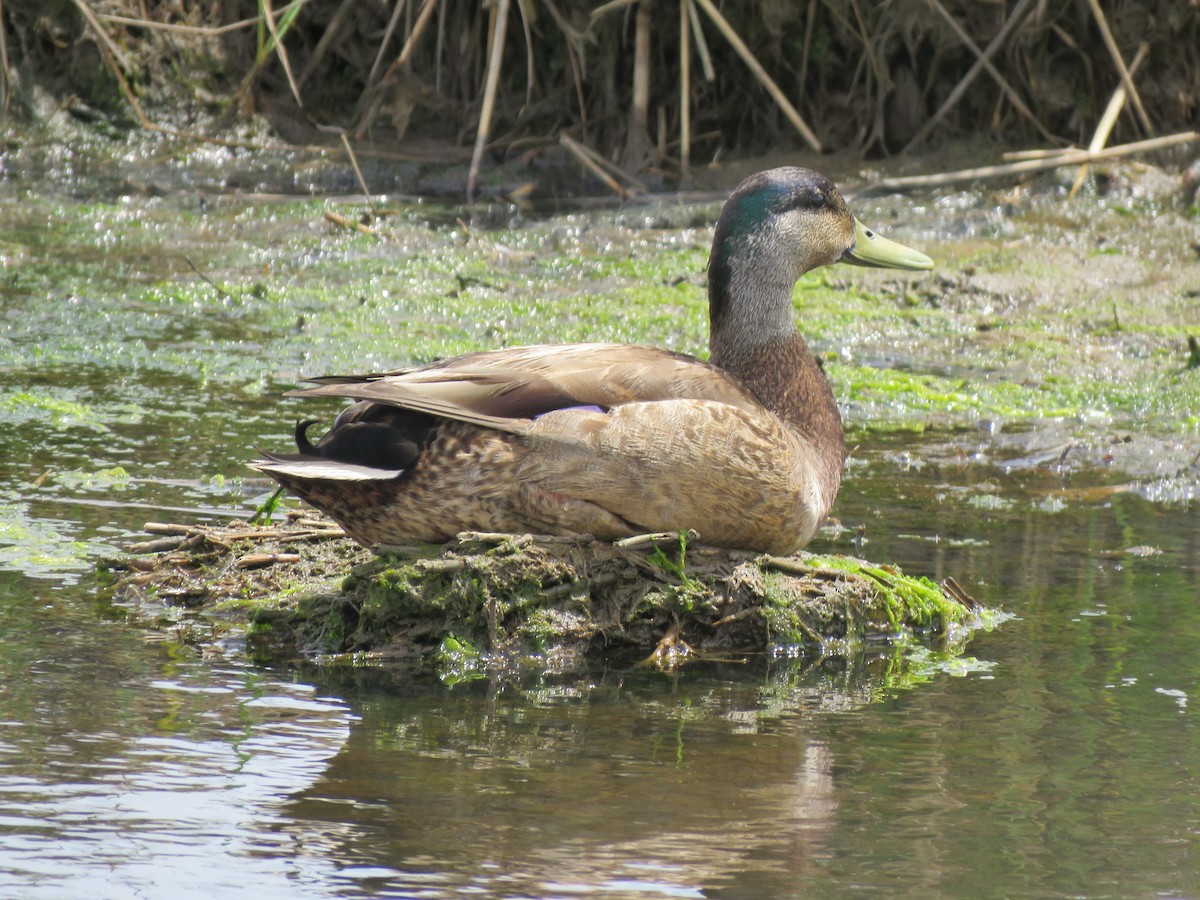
(871, 249)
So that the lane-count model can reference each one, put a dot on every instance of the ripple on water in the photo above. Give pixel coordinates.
(151, 813)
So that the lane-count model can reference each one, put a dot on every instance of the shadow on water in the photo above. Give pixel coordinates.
(1059, 760)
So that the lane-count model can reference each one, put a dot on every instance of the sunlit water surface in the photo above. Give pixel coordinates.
(1063, 763)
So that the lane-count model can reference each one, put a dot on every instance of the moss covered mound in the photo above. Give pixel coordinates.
(499, 599)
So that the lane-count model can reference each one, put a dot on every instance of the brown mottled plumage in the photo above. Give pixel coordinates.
(615, 439)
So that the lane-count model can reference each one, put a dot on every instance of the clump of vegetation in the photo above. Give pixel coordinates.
(495, 600)
(630, 87)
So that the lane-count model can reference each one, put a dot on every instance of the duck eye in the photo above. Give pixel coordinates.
(810, 199)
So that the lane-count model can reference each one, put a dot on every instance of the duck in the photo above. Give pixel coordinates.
(746, 448)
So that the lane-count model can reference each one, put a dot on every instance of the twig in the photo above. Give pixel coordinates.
(530, 69)
(710, 73)
(224, 293)
(168, 528)
(159, 545)
(761, 74)
(808, 36)
(387, 39)
(955, 590)
(204, 30)
(587, 585)
(1037, 153)
(1018, 16)
(262, 560)
(1066, 158)
(606, 8)
(343, 222)
(499, 537)
(410, 45)
(495, 51)
(791, 566)
(598, 165)
(645, 540)
(358, 173)
(105, 39)
(1126, 76)
(281, 51)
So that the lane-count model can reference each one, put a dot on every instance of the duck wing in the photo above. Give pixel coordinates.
(508, 389)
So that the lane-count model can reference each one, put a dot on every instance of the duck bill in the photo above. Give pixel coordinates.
(871, 249)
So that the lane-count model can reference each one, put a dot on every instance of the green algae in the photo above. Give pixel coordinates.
(260, 294)
(39, 546)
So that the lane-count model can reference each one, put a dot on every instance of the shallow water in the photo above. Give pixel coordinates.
(1060, 760)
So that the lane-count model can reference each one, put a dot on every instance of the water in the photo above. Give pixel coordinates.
(1062, 762)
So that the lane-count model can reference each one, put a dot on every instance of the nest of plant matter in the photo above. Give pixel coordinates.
(499, 599)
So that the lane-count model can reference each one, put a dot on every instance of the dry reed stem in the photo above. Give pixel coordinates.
(5, 93)
(358, 172)
(112, 51)
(685, 91)
(281, 51)
(808, 35)
(1037, 153)
(183, 135)
(639, 108)
(760, 73)
(1119, 62)
(1018, 15)
(605, 8)
(1013, 97)
(341, 221)
(530, 70)
(419, 26)
(596, 164)
(706, 63)
(1065, 158)
(332, 30)
(202, 30)
(383, 44)
(495, 51)
(574, 39)
(1115, 104)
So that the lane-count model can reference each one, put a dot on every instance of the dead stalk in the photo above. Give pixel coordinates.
(636, 133)
(202, 30)
(1066, 158)
(1013, 97)
(281, 51)
(1018, 16)
(332, 30)
(685, 92)
(760, 73)
(495, 51)
(358, 173)
(383, 44)
(1119, 62)
(1115, 104)
(710, 73)
(592, 162)
(5, 95)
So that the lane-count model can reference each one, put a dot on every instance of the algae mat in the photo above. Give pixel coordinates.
(489, 601)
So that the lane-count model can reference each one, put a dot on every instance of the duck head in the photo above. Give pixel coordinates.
(776, 226)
